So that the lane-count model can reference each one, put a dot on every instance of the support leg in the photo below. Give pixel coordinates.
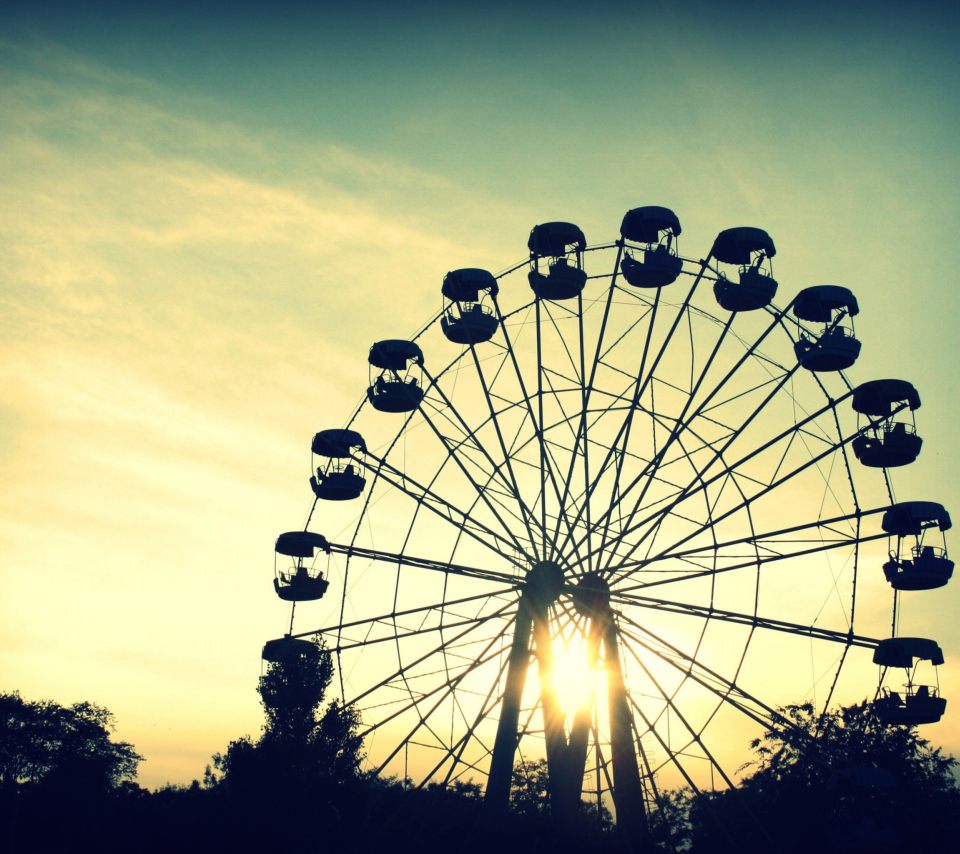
(628, 799)
(497, 798)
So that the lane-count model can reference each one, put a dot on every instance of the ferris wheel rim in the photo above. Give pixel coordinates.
(628, 595)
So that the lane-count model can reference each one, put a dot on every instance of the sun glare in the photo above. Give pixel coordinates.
(573, 678)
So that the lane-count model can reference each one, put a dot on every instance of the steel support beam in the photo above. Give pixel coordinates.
(628, 788)
(497, 797)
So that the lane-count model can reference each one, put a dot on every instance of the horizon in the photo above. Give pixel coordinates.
(209, 216)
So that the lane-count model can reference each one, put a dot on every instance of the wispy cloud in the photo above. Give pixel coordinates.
(185, 301)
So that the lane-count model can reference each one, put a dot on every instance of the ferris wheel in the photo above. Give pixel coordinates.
(606, 508)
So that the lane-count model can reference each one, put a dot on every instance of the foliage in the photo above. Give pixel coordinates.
(298, 788)
(42, 742)
(808, 788)
(303, 770)
(302, 744)
(530, 809)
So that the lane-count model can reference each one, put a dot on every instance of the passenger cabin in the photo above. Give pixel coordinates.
(339, 477)
(563, 244)
(886, 442)
(300, 581)
(655, 228)
(466, 319)
(836, 348)
(747, 249)
(287, 649)
(916, 705)
(915, 563)
(395, 376)
(919, 704)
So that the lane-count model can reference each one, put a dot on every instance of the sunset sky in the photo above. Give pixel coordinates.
(209, 211)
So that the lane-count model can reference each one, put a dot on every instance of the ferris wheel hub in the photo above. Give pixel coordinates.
(545, 581)
(592, 595)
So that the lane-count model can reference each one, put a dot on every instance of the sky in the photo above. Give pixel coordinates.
(205, 207)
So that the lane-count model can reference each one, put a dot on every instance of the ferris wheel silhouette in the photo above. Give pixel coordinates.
(634, 476)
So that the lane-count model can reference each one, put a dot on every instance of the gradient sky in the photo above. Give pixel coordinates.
(209, 211)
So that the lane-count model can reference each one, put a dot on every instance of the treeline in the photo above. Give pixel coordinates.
(841, 781)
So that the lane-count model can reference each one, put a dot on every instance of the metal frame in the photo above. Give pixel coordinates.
(582, 445)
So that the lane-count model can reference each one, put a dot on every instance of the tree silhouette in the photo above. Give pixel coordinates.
(57, 760)
(302, 769)
(841, 779)
(44, 743)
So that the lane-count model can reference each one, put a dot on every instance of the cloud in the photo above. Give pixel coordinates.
(185, 302)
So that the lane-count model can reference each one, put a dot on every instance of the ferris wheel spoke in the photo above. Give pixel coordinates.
(788, 434)
(642, 383)
(582, 439)
(387, 618)
(674, 435)
(701, 409)
(754, 562)
(525, 511)
(445, 688)
(678, 428)
(425, 563)
(696, 736)
(726, 689)
(766, 541)
(416, 696)
(447, 643)
(674, 759)
(618, 447)
(729, 471)
(757, 622)
(403, 635)
(451, 452)
(743, 505)
(563, 341)
(562, 500)
(457, 750)
(425, 497)
(528, 404)
(496, 469)
(683, 421)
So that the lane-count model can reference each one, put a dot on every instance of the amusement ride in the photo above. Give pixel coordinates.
(606, 507)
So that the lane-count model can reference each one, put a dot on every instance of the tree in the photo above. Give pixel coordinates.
(44, 743)
(300, 771)
(840, 777)
(59, 761)
(301, 740)
(530, 811)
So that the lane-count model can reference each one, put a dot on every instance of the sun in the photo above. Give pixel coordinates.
(573, 678)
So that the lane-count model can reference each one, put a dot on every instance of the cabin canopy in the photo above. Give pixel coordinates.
(736, 245)
(877, 397)
(900, 652)
(394, 354)
(910, 517)
(337, 443)
(465, 285)
(301, 544)
(287, 649)
(643, 225)
(552, 239)
(817, 304)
